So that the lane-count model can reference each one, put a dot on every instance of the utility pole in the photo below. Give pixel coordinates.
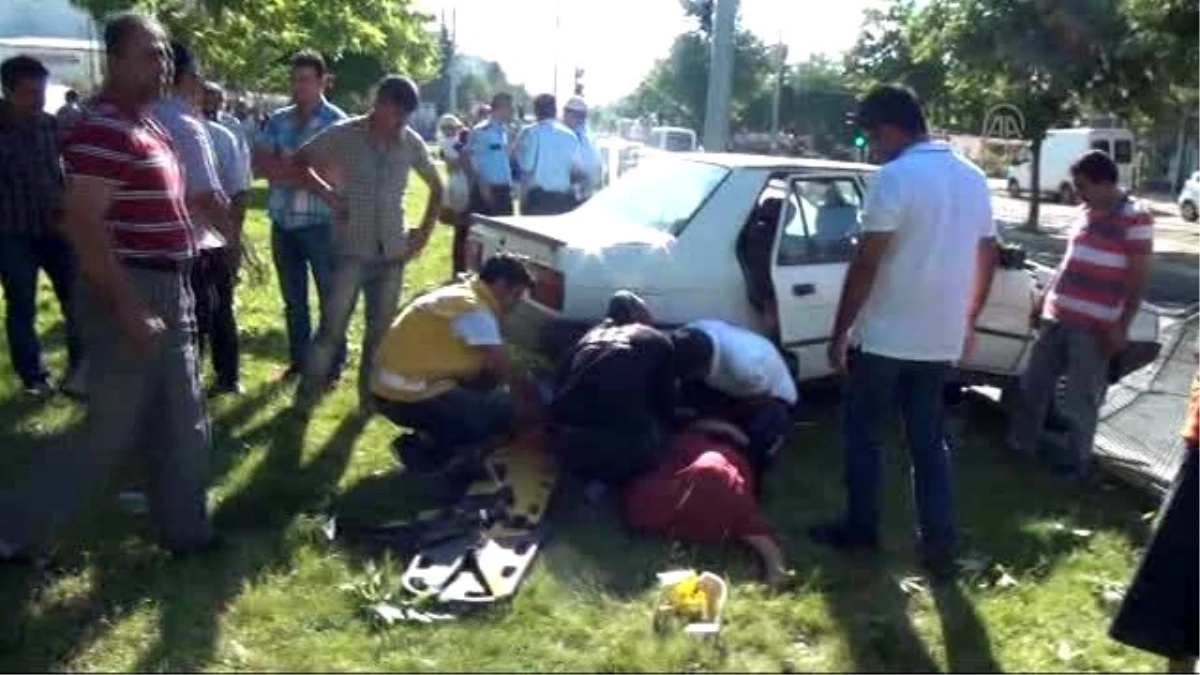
(557, 32)
(720, 77)
(451, 71)
(780, 58)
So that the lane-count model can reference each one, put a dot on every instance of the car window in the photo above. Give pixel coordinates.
(1102, 146)
(660, 193)
(654, 139)
(820, 221)
(1123, 152)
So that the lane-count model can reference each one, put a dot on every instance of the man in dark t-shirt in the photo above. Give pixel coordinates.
(614, 396)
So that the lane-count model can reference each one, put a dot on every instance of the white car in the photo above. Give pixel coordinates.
(758, 241)
(1189, 199)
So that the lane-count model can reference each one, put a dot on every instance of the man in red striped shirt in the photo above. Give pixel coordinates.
(1086, 312)
(127, 220)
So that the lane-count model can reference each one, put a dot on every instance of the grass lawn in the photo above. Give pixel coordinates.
(1048, 556)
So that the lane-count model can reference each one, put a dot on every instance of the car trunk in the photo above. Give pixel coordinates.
(528, 238)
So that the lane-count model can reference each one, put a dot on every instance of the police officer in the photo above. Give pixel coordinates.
(487, 161)
(575, 117)
(551, 162)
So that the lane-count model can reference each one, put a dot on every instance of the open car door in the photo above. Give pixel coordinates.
(813, 245)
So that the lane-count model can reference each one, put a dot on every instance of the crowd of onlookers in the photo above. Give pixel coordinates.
(133, 204)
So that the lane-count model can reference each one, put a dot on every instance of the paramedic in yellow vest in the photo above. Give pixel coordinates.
(439, 367)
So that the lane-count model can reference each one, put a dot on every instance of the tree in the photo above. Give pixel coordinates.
(1043, 56)
(675, 92)
(247, 43)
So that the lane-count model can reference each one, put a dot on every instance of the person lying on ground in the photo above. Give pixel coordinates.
(439, 367)
(702, 491)
(735, 374)
(614, 396)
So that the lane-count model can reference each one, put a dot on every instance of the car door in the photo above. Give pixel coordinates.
(813, 246)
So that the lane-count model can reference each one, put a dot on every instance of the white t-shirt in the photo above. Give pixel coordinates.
(937, 205)
(478, 329)
(745, 364)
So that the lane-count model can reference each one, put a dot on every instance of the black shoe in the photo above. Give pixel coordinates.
(842, 537)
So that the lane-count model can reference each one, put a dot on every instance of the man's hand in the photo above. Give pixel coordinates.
(415, 243)
(969, 343)
(838, 349)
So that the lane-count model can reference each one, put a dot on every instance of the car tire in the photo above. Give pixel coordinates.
(1066, 195)
(1188, 212)
(1014, 188)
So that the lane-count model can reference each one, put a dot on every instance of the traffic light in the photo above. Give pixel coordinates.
(579, 81)
(860, 141)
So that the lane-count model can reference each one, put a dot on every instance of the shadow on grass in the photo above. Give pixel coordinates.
(190, 594)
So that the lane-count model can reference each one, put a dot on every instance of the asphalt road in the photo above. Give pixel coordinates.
(1175, 278)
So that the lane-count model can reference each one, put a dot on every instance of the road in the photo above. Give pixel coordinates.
(1175, 280)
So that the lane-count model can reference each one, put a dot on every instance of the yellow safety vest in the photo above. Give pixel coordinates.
(420, 357)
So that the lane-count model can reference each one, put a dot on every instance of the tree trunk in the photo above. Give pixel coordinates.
(1035, 180)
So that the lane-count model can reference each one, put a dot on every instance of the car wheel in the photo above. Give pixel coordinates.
(1066, 194)
(1014, 188)
(1187, 211)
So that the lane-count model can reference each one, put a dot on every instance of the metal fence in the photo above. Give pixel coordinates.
(1139, 434)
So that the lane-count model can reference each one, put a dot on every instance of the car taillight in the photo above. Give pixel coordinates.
(474, 254)
(548, 291)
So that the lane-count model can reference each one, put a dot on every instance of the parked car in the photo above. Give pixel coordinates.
(758, 241)
(1189, 199)
(1060, 149)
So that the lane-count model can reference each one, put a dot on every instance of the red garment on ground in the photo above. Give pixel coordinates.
(702, 490)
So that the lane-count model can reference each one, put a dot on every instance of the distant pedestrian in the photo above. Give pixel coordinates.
(70, 112)
(551, 162)
(452, 140)
(375, 153)
(127, 220)
(913, 293)
(301, 222)
(31, 189)
(487, 161)
(575, 116)
(213, 106)
(1085, 315)
(219, 273)
(218, 242)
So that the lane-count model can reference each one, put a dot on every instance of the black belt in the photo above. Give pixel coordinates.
(157, 264)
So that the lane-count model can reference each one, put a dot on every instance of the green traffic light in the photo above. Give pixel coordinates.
(860, 141)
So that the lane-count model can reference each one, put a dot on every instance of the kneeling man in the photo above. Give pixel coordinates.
(439, 367)
(735, 374)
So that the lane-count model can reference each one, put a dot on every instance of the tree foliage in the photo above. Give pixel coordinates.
(246, 43)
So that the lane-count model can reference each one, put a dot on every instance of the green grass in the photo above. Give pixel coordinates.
(273, 602)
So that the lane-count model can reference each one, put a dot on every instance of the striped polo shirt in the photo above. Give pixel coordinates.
(131, 151)
(1093, 280)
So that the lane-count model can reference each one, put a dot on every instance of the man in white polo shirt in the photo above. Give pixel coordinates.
(917, 283)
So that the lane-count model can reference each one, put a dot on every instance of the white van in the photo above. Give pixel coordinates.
(1060, 150)
(671, 139)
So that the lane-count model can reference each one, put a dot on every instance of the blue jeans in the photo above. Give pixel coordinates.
(296, 253)
(459, 418)
(380, 281)
(20, 259)
(875, 384)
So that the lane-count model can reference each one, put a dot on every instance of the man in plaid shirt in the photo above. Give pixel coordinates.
(31, 185)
